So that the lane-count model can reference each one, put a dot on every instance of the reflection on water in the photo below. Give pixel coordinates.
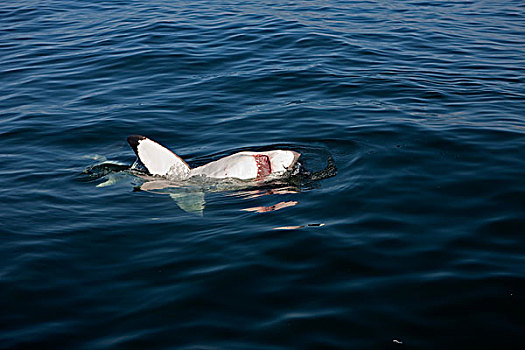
(297, 227)
(259, 193)
(280, 205)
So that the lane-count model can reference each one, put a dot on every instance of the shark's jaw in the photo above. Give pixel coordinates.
(264, 166)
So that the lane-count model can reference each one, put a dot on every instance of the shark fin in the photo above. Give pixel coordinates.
(111, 179)
(157, 159)
(190, 202)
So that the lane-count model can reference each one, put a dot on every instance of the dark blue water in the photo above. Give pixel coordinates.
(418, 242)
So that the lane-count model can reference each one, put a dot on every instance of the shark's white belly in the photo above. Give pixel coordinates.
(241, 165)
(158, 160)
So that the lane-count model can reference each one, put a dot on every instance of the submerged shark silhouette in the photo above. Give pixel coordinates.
(249, 174)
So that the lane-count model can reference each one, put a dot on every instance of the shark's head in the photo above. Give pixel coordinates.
(282, 161)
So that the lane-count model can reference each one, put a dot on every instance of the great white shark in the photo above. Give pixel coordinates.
(159, 160)
(163, 171)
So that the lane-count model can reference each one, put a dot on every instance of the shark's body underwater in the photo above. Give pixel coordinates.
(159, 160)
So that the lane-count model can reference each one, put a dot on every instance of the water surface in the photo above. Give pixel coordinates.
(416, 243)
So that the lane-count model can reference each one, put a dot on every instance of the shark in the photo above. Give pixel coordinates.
(161, 161)
(254, 173)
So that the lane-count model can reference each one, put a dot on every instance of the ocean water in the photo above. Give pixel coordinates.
(417, 241)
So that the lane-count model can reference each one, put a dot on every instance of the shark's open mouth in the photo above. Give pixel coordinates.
(264, 167)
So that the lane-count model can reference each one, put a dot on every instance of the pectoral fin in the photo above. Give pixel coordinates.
(158, 159)
(190, 202)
